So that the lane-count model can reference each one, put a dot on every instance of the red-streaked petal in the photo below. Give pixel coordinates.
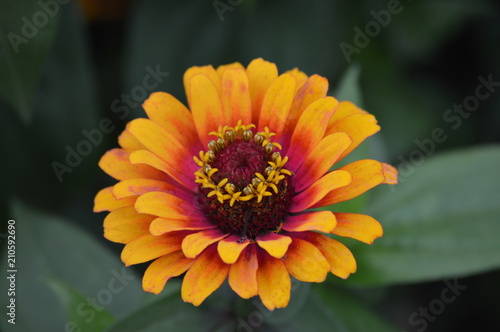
(320, 160)
(231, 247)
(273, 282)
(358, 127)
(116, 163)
(310, 129)
(164, 268)
(316, 87)
(125, 224)
(276, 104)
(204, 277)
(128, 142)
(206, 107)
(322, 221)
(167, 206)
(366, 174)
(194, 244)
(149, 158)
(150, 247)
(235, 96)
(340, 258)
(243, 273)
(358, 226)
(305, 262)
(207, 71)
(315, 193)
(133, 187)
(222, 68)
(165, 110)
(261, 74)
(105, 201)
(275, 244)
(161, 226)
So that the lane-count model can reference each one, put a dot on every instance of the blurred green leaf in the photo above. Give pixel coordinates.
(441, 221)
(71, 299)
(169, 313)
(49, 248)
(27, 30)
(348, 87)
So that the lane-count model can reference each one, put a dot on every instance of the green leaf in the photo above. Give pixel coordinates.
(27, 30)
(348, 87)
(71, 299)
(169, 313)
(49, 248)
(441, 221)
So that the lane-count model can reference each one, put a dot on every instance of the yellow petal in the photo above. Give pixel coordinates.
(305, 262)
(167, 206)
(125, 224)
(358, 226)
(260, 76)
(164, 268)
(230, 248)
(150, 247)
(276, 245)
(236, 96)
(322, 221)
(243, 273)
(208, 71)
(133, 187)
(222, 68)
(204, 277)
(128, 142)
(194, 244)
(116, 163)
(105, 201)
(273, 282)
(161, 226)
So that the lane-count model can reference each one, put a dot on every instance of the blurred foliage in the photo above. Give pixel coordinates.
(62, 76)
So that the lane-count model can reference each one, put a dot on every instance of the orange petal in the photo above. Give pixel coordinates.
(366, 174)
(276, 104)
(260, 76)
(320, 160)
(204, 277)
(322, 221)
(161, 226)
(243, 273)
(328, 183)
(116, 163)
(358, 127)
(164, 268)
(167, 206)
(208, 71)
(316, 87)
(236, 96)
(172, 115)
(206, 107)
(150, 247)
(346, 109)
(194, 244)
(230, 248)
(128, 141)
(222, 68)
(125, 224)
(310, 129)
(105, 201)
(273, 282)
(305, 262)
(276, 245)
(149, 158)
(132, 187)
(340, 258)
(358, 226)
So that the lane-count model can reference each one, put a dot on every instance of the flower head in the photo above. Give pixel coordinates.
(225, 188)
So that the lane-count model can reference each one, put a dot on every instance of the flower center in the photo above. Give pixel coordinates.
(244, 188)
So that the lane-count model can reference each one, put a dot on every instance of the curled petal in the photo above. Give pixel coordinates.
(358, 226)
(276, 245)
(322, 221)
(305, 262)
(162, 269)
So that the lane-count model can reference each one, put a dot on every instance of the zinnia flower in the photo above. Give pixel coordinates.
(225, 188)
